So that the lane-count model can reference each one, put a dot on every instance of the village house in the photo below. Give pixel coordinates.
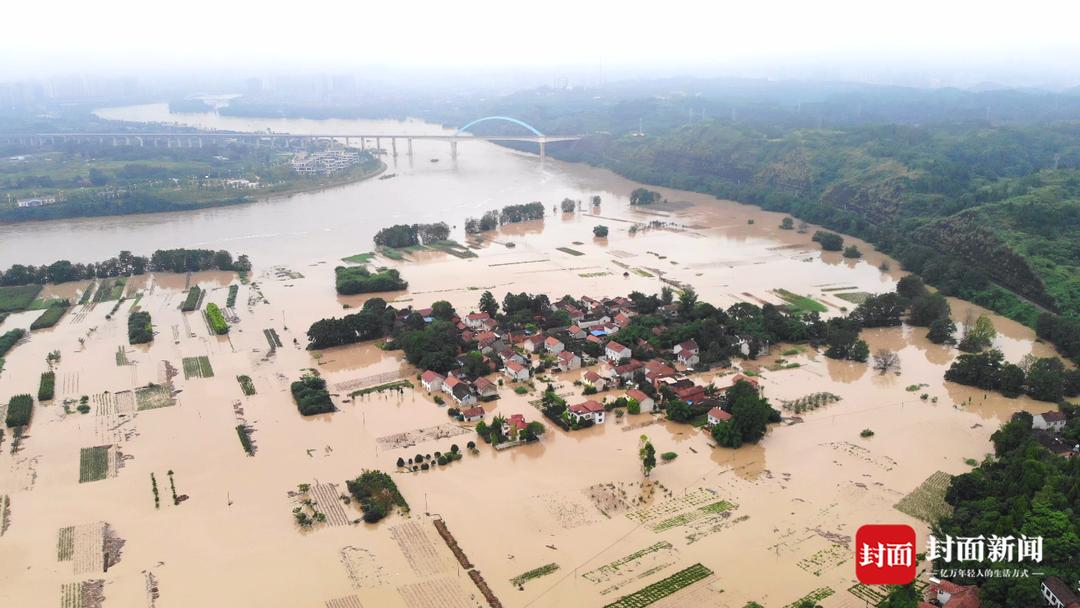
(593, 322)
(514, 425)
(716, 415)
(516, 371)
(616, 352)
(737, 378)
(486, 389)
(648, 405)
(450, 382)
(485, 340)
(462, 394)
(508, 354)
(624, 372)
(595, 380)
(589, 410)
(553, 345)
(476, 320)
(621, 319)
(1049, 421)
(534, 343)
(687, 353)
(569, 360)
(589, 303)
(472, 414)
(576, 332)
(691, 393)
(1057, 594)
(431, 381)
(948, 594)
(656, 371)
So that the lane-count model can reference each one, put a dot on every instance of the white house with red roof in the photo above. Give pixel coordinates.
(534, 343)
(476, 320)
(508, 354)
(485, 339)
(553, 345)
(576, 332)
(432, 381)
(514, 425)
(616, 352)
(647, 403)
(687, 353)
(515, 371)
(595, 380)
(717, 415)
(568, 360)
(472, 414)
(589, 410)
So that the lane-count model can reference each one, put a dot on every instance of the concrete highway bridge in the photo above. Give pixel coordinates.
(193, 139)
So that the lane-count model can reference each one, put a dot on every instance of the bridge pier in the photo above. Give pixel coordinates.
(410, 146)
(378, 145)
(393, 145)
(543, 150)
(453, 149)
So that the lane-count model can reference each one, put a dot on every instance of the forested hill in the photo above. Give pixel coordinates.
(975, 190)
(966, 207)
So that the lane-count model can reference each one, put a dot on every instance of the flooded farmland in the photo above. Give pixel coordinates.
(772, 522)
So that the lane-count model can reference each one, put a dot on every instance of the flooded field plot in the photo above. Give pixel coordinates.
(197, 367)
(98, 463)
(436, 593)
(927, 502)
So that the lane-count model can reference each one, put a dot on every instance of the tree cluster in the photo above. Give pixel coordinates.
(311, 396)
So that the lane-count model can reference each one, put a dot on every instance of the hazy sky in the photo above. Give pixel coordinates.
(120, 36)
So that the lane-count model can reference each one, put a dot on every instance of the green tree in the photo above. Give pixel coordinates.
(600, 231)
(942, 331)
(927, 309)
(787, 224)
(648, 455)
(488, 303)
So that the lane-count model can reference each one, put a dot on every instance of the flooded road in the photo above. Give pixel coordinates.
(773, 522)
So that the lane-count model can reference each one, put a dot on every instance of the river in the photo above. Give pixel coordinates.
(339, 220)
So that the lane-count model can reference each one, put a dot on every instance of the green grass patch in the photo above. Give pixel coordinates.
(813, 597)
(453, 248)
(197, 367)
(643, 273)
(18, 297)
(8, 340)
(360, 258)
(93, 463)
(855, 297)
(153, 396)
(800, 304)
(396, 385)
(47, 386)
(246, 385)
(535, 573)
(272, 338)
(720, 506)
(43, 303)
(662, 588)
(49, 318)
(87, 294)
(65, 544)
(569, 250)
(231, 300)
(927, 502)
(19, 410)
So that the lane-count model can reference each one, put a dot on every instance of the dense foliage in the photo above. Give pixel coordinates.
(1045, 379)
(750, 416)
(47, 386)
(124, 264)
(351, 280)
(19, 410)
(8, 340)
(50, 317)
(377, 494)
(216, 319)
(191, 301)
(1026, 490)
(408, 235)
(140, 328)
(510, 214)
(373, 321)
(311, 396)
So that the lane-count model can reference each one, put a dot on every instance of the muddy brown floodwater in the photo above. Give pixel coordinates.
(773, 521)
